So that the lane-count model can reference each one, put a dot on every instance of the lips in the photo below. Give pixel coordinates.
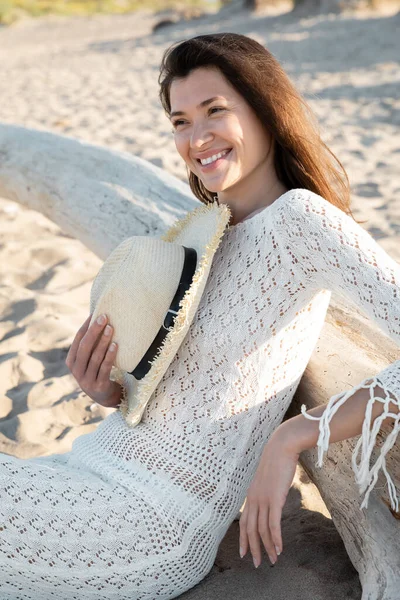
(215, 163)
(226, 150)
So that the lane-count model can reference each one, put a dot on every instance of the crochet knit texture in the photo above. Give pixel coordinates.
(138, 513)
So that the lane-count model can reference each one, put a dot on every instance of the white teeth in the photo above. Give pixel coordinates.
(214, 157)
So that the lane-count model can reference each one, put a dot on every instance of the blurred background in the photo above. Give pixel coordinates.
(11, 10)
(88, 69)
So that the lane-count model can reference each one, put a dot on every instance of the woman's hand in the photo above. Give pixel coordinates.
(90, 359)
(266, 497)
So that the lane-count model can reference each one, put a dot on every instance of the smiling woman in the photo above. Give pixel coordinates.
(232, 94)
(139, 513)
(222, 142)
(256, 139)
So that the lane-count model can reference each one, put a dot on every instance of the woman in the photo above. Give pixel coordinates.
(139, 513)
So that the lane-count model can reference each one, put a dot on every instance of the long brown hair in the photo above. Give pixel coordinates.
(301, 159)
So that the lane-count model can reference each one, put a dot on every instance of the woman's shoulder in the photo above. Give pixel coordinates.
(296, 203)
(301, 198)
(302, 204)
(305, 216)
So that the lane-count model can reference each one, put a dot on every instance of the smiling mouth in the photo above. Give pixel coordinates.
(214, 161)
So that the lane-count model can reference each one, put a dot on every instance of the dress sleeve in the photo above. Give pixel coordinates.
(336, 253)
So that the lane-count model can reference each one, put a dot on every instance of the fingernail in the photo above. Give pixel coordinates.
(112, 347)
(271, 559)
(101, 319)
(277, 550)
(107, 330)
(241, 552)
(255, 563)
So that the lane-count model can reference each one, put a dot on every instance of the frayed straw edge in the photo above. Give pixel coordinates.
(168, 348)
(178, 226)
(118, 376)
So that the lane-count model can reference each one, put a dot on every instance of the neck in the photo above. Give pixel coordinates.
(244, 205)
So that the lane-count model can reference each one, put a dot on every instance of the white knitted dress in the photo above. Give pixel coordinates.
(139, 513)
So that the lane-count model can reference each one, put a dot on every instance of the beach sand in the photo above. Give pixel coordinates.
(96, 79)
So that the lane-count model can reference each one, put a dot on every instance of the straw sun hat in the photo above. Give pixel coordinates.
(150, 289)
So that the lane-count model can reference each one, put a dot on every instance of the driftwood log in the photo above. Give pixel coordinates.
(97, 196)
(101, 197)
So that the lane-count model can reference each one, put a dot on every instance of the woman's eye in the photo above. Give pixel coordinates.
(216, 108)
(179, 121)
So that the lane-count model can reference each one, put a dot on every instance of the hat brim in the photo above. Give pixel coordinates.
(137, 393)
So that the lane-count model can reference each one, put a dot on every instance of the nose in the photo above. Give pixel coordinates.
(200, 135)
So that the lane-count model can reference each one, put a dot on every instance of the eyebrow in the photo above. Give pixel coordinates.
(201, 105)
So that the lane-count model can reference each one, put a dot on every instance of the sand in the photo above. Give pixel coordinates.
(96, 79)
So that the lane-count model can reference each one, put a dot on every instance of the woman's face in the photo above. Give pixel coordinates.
(227, 123)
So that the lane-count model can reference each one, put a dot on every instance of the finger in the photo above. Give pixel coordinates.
(275, 517)
(98, 354)
(253, 535)
(243, 540)
(265, 534)
(103, 376)
(71, 356)
(86, 347)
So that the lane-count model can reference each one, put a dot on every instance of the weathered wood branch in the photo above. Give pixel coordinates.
(97, 195)
(101, 197)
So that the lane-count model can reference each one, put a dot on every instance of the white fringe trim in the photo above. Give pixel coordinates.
(366, 477)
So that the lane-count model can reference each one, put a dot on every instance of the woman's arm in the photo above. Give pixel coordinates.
(331, 251)
(302, 434)
(362, 412)
(268, 491)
